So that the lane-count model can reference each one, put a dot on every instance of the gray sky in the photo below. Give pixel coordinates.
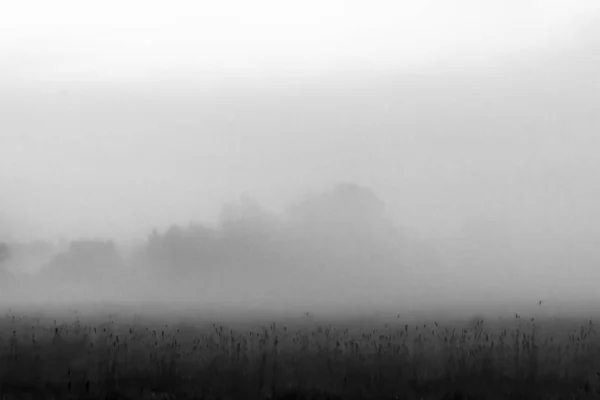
(119, 116)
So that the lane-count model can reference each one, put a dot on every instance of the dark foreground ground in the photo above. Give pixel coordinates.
(97, 352)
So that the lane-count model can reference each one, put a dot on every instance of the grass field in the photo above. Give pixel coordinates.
(99, 351)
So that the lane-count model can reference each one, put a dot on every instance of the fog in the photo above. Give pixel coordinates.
(321, 252)
(430, 179)
(334, 253)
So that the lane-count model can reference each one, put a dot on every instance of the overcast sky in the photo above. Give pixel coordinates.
(120, 116)
(145, 40)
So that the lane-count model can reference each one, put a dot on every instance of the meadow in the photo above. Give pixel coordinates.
(126, 352)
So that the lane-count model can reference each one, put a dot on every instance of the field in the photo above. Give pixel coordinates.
(99, 351)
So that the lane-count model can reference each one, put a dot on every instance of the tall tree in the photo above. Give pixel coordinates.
(4, 253)
(5, 276)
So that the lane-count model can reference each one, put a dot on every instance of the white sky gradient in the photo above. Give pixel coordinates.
(139, 40)
(118, 116)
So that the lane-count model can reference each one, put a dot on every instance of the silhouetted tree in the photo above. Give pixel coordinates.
(86, 261)
(4, 253)
(180, 253)
(5, 276)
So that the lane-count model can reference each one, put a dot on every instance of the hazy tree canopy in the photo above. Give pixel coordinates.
(28, 257)
(4, 253)
(346, 204)
(85, 261)
(345, 224)
(247, 219)
(181, 251)
(5, 277)
(341, 239)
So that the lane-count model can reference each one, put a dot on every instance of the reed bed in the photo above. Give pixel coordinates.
(527, 359)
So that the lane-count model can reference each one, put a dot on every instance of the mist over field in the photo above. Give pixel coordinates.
(445, 175)
(336, 253)
(335, 250)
